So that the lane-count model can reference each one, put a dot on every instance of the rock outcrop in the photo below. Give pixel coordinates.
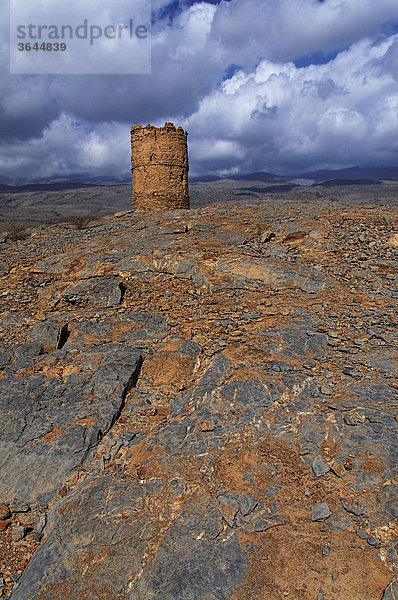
(201, 405)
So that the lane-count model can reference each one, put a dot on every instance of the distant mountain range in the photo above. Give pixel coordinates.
(49, 184)
(353, 173)
(259, 176)
(44, 187)
(342, 182)
(325, 175)
(364, 173)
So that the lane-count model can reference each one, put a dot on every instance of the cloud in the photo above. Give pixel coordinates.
(283, 118)
(282, 30)
(69, 148)
(178, 81)
(270, 114)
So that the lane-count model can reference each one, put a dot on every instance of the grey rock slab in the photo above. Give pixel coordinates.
(189, 569)
(319, 466)
(298, 342)
(220, 409)
(383, 363)
(391, 550)
(361, 533)
(350, 508)
(387, 498)
(24, 352)
(244, 270)
(40, 418)
(247, 399)
(102, 292)
(265, 521)
(173, 436)
(89, 520)
(375, 393)
(321, 512)
(310, 280)
(246, 504)
(48, 334)
(391, 593)
(6, 356)
(218, 371)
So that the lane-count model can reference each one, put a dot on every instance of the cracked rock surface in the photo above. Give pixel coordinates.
(201, 405)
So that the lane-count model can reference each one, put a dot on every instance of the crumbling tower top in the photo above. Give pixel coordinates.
(159, 166)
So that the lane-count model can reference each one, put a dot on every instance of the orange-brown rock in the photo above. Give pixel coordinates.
(201, 407)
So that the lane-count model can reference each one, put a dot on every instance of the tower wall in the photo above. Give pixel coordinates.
(159, 166)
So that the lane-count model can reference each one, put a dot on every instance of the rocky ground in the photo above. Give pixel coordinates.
(38, 207)
(201, 405)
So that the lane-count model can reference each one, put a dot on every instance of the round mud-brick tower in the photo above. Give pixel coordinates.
(159, 161)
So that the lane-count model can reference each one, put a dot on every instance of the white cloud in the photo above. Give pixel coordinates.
(68, 148)
(281, 117)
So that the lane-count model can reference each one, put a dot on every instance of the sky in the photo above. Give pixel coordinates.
(285, 86)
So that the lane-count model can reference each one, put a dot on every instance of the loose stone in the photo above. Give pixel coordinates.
(319, 467)
(4, 512)
(326, 551)
(362, 534)
(321, 512)
(18, 533)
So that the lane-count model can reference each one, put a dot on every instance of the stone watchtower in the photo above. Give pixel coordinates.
(159, 161)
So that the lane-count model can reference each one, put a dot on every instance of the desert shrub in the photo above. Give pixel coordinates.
(16, 233)
(80, 221)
